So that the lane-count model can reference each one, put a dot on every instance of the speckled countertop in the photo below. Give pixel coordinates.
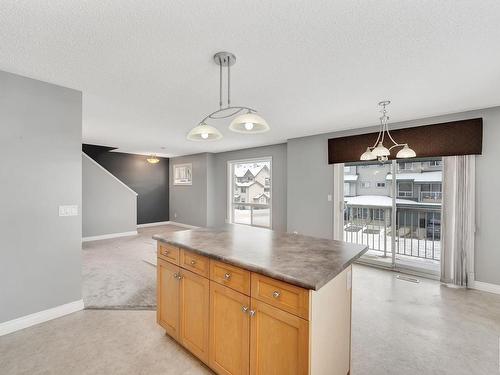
(304, 261)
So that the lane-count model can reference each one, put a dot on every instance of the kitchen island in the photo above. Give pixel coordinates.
(246, 300)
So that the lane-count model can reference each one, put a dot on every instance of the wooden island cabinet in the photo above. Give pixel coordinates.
(240, 322)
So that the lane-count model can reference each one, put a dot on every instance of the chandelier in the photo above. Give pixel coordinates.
(378, 150)
(247, 120)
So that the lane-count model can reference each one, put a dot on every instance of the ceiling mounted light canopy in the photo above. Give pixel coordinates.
(378, 150)
(247, 121)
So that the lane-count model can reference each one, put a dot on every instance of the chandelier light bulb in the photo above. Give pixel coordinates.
(204, 135)
(248, 125)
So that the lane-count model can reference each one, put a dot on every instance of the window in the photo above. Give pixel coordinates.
(405, 166)
(381, 184)
(253, 207)
(405, 189)
(435, 163)
(365, 184)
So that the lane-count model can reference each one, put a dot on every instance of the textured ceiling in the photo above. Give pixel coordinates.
(147, 76)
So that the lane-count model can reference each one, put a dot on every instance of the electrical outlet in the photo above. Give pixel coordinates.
(329, 197)
(175, 215)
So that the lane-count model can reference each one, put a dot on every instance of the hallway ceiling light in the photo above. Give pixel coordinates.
(152, 159)
(247, 121)
(378, 150)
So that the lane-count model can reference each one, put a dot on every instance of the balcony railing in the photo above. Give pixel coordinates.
(255, 214)
(418, 231)
(431, 196)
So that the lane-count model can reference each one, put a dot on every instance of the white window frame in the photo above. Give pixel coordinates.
(230, 190)
(365, 185)
(406, 191)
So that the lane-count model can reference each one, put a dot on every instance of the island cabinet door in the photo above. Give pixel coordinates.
(194, 313)
(229, 331)
(279, 341)
(167, 313)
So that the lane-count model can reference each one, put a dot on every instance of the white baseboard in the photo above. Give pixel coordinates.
(107, 236)
(39, 317)
(485, 287)
(183, 225)
(153, 224)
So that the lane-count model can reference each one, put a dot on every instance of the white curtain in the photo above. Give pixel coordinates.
(458, 224)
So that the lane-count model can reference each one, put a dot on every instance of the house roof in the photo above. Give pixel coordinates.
(435, 176)
(260, 195)
(247, 184)
(382, 201)
(351, 177)
(240, 172)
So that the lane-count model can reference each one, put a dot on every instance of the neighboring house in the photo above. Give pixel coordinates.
(416, 181)
(253, 185)
(367, 192)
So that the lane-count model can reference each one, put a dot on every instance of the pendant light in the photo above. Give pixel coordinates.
(247, 121)
(378, 150)
(152, 159)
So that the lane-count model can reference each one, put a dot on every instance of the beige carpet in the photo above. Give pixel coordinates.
(118, 273)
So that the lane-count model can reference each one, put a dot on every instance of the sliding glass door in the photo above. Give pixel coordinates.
(399, 217)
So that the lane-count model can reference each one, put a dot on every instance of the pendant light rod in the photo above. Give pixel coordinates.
(220, 83)
(229, 81)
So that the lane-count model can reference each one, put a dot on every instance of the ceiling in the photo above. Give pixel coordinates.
(147, 76)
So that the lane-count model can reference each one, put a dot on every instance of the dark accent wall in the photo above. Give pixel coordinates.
(149, 181)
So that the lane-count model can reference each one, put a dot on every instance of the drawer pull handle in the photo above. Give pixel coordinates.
(244, 309)
(276, 294)
(193, 262)
(252, 313)
(227, 276)
(165, 252)
(177, 276)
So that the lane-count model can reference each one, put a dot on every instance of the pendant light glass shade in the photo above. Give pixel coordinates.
(381, 150)
(152, 159)
(204, 132)
(249, 123)
(406, 152)
(368, 155)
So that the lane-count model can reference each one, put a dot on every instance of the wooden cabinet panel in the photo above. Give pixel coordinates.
(229, 331)
(167, 313)
(195, 263)
(194, 313)
(231, 276)
(168, 252)
(279, 342)
(285, 296)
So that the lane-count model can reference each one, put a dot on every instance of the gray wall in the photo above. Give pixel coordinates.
(205, 202)
(310, 176)
(40, 169)
(108, 206)
(188, 203)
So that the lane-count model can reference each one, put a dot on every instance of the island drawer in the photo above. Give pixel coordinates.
(168, 252)
(195, 263)
(230, 276)
(284, 296)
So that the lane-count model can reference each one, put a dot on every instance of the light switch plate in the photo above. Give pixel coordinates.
(329, 197)
(68, 210)
(349, 279)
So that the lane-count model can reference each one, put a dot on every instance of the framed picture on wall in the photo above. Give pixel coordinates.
(183, 174)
